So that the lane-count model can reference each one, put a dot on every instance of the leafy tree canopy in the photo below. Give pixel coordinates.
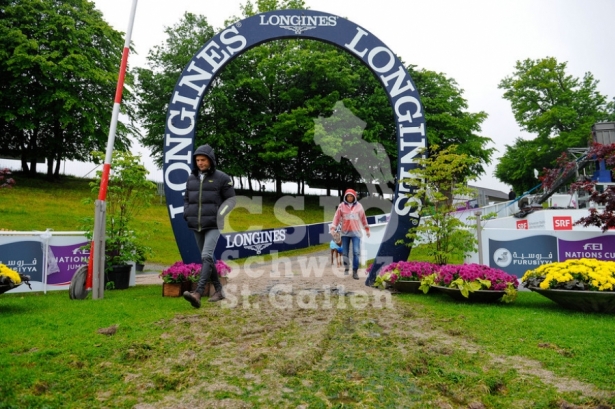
(59, 65)
(448, 121)
(261, 109)
(559, 108)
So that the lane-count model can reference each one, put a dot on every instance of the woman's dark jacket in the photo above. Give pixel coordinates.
(207, 200)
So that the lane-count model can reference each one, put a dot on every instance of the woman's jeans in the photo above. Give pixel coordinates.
(356, 247)
(206, 240)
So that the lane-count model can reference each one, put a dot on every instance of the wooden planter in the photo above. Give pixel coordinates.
(172, 289)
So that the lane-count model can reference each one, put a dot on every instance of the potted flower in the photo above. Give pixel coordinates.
(182, 277)
(178, 278)
(580, 284)
(129, 192)
(223, 269)
(10, 279)
(405, 276)
(473, 282)
(5, 180)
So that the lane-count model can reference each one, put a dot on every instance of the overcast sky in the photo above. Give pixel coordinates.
(476, 42)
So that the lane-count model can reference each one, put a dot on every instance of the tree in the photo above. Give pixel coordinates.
(448, 121)
(260, 111)
(443, 234)
(59, 63)
(603, 196)
(517, 165)
(557, 107)
(154, 84)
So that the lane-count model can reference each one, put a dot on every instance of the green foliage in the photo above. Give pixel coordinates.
(427, 282)
(382, 280)
(467, 287)
(59, 63)
(558, 108)
(128, 194)
(259, 112)
(155, 84)
(438, 180)
(448, 121)
(510, 294)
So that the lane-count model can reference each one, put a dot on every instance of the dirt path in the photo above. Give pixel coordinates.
(311, 272)
(303, 289)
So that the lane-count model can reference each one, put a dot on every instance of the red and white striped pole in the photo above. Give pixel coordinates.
(96, 262)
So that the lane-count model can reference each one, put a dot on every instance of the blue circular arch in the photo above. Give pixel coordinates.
(199, 73)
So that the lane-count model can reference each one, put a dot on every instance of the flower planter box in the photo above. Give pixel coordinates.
(407, 286)
(480, 296)
(173, 289)
(586, 301)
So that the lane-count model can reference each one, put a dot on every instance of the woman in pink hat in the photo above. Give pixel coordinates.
(351, 216)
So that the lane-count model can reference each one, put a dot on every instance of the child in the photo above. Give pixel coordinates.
(336, 249)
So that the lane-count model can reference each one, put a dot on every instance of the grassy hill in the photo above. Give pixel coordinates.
(38, 204)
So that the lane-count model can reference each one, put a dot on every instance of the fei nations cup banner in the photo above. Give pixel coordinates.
(50, 261)
(199, 73)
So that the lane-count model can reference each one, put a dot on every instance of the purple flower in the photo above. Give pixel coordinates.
(409, 270)
(180, 272)
(223, 268)
(472, 272)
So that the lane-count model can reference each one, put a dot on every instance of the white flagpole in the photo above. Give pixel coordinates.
(96, 266)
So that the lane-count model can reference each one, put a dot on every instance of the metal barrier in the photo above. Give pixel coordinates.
(160, 187)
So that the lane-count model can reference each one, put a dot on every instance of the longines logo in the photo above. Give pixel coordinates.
(298, 24)
(256, 241)
(258, 248)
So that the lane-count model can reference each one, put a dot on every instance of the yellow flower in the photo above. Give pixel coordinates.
(597, 274)
(11, 274)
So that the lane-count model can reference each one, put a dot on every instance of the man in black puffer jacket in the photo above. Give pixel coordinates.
(209, 197)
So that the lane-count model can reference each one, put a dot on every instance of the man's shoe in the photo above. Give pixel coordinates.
(346, 272)
(218, 296)
(193, 298)
(355, 275)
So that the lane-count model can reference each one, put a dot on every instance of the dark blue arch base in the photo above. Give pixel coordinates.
(221, 49)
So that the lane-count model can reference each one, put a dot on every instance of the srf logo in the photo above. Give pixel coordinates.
(523, 225)
(562, 222)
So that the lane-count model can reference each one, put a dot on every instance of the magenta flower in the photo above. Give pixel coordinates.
(473, 272)
(223, 268)
(180, 272)
(409, 270)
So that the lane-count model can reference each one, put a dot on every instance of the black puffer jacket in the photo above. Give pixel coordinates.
(208, 199)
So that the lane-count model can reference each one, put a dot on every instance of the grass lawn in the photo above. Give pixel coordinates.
(427, 351)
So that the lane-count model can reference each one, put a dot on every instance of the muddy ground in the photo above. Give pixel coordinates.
(312, 272)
